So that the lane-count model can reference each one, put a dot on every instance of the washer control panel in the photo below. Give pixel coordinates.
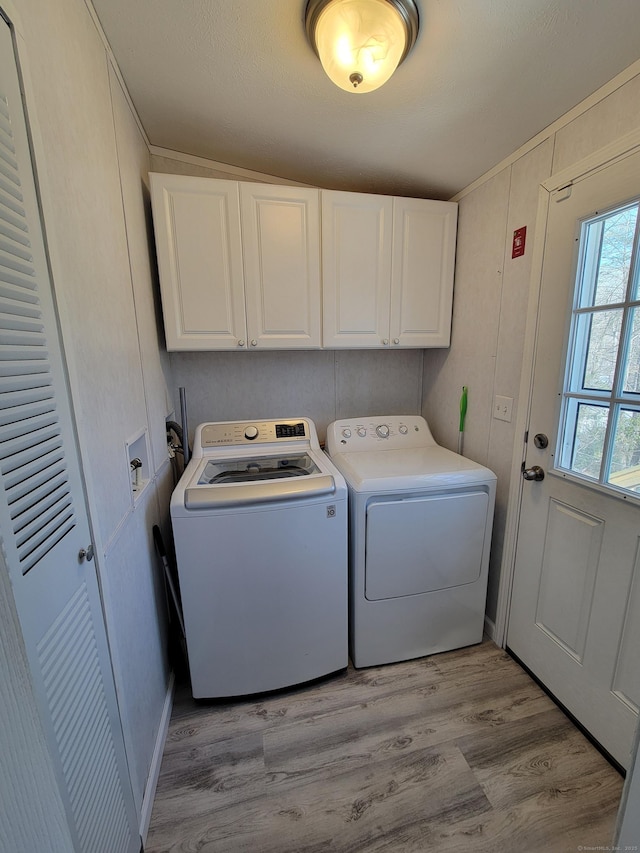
(238, 433)
(378, 433)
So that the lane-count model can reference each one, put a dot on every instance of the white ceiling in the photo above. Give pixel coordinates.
(236, 81)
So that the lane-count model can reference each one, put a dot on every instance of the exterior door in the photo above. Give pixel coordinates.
(575, 610)
(43, 517)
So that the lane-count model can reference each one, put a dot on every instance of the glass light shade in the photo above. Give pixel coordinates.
(360, 43)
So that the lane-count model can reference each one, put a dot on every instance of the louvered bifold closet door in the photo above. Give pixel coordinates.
(32, 458)
(43, 514)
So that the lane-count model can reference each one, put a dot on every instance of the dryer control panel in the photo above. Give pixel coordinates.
(378, 433)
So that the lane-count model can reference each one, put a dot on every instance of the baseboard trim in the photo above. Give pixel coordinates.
(156, 761)
(489, 628)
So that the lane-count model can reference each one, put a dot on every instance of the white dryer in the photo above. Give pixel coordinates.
(420, 534)
(260, 527)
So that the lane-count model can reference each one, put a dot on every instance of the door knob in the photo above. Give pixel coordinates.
(533, 473)
(86, 553)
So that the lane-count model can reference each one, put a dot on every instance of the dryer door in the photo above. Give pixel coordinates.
(422, 544)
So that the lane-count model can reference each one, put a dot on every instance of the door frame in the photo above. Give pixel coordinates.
(627, 822)
(603, 157)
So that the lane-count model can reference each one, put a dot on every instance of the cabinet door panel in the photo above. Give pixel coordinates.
(424, 238)
(200, 261)
(281, 249)
(356, 263)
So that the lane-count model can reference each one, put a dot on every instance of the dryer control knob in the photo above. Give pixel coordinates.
(404, 429)
(251, 432)
(346, 433)
(382, 430)
(362, 432)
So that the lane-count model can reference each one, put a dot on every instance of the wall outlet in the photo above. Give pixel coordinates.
(502, 407)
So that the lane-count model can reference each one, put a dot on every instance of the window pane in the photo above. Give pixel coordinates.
(632, 367)
(625, 462)
(588, 439)
(600, 426)
(615, 256)
(602, 339)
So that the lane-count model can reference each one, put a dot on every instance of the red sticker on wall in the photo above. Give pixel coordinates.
(519, 240)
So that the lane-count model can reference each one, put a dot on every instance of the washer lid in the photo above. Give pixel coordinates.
(255, 468)
(246, 480)
(411, 468)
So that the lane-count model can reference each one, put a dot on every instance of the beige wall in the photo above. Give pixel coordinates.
(323, 385)
(92, 163)
(492, 290)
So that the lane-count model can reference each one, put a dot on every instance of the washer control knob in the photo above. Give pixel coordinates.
(361, 432)
(346, 432)
(382, 430)
(404, 429)
(251, 432)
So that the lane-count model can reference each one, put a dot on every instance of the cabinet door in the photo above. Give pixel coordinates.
(356, 268)
(424, 245)
(281, 251)
(197, 225)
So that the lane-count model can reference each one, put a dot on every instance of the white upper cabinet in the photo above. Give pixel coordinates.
(423, 260)
(356, 268)
(197, 226)
(249, 266)
(387, 270)
(239, 263)
(281, 249)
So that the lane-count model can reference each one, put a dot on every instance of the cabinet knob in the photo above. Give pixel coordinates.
(254, 343)
(385, 341)
(396, 340)
(240, 343)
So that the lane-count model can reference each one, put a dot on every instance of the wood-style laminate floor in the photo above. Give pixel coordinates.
(460, 751)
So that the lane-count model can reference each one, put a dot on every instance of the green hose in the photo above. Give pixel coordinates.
(463, 407)
(463, 414)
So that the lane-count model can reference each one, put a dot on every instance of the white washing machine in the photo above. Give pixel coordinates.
(420, 534)
(260, 527)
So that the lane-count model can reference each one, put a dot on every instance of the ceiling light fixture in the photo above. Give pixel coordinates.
(360, 43)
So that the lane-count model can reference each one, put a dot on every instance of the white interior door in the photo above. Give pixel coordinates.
(43, 516)
(575, 610)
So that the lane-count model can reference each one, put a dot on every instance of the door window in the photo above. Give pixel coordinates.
(600, 419)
